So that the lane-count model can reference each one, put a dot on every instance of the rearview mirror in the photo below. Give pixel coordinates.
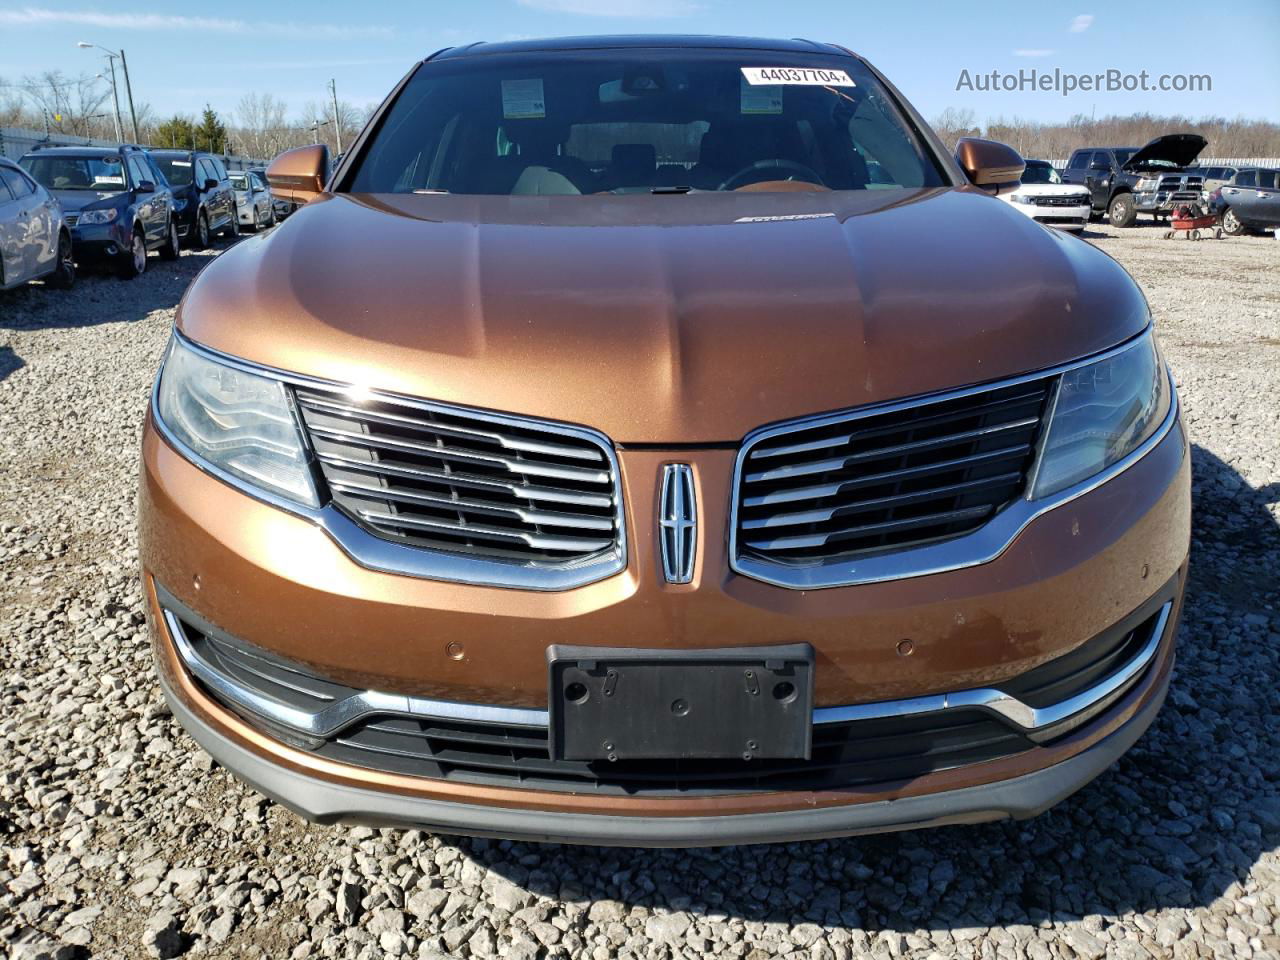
(299, 174)
(995, 167)
(145, 186)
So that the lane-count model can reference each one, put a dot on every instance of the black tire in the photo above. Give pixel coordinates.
(172, 249)
(64, 276)
(271, 214)
(200, 238)
(1231, 224)
(133, 262)
(1122, 211)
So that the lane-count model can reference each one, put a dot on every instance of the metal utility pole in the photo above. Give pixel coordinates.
(112, 54)
(115, 97)
(337, 124)
(133, 116)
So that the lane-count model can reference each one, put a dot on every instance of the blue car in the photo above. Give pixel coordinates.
(118, 205)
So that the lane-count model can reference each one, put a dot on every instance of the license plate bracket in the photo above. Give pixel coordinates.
(746, 703)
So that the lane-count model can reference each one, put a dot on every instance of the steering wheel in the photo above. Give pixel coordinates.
(777, 163)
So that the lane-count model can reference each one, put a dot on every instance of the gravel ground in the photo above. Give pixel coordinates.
(119, 838)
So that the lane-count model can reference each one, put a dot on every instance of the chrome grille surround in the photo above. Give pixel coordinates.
(979, 545)
(445, 478)
(386, 556)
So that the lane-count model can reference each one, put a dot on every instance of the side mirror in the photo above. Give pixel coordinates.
(145, 186)
(211, 184)
(299, 174)
(994, 167)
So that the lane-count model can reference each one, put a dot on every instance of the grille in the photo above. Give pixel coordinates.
(883, 481)
(449, 479)
(71, 219)
(1061, 201)
(844, 754)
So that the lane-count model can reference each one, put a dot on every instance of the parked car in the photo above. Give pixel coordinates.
(34, 242)
(1249, 201)
(204, 197)
(519, 486)
(1211, 178)
(115, 201)
(254, 204)
(1126, 181)
(1046, 199)
(281, 206)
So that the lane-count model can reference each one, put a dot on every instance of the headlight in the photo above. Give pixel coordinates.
(1021, 198)
(239, 422)
(1147, 183)
(99, 216)
(1104, 411)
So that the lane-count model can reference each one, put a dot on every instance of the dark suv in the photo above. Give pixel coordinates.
(1126, 181)
(204, 198)
(115, 201)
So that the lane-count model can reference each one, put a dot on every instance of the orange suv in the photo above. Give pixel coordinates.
(662, 441)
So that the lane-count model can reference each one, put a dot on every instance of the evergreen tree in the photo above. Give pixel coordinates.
(211, 133)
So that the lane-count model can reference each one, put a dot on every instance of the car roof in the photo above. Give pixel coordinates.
(639, 41)
(77, 151)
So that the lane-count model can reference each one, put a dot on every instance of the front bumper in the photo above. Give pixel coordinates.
(100, 241)
(1021, 796)
(1164, 201)
(1064, 218)
(1068, 575)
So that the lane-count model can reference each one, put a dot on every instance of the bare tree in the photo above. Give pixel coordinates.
(261, 129)
(1055, 141)
(69, 104)
(953, 123)
(351, 117)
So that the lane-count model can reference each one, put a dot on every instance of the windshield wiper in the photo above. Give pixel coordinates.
(674, 189)
(430, 191)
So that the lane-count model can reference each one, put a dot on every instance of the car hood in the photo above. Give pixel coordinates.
(1180, 149)
(73, 200)
(671, 319)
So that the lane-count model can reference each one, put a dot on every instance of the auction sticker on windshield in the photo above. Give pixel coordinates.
(800, 76)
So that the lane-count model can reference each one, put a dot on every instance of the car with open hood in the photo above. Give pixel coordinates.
(1126, 181)
(662, 441)
(1046, 198)
(115, 202)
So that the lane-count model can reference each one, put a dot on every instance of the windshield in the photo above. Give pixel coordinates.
(1122, 156)
(641, 121)
(176, 170)
(1040, 172)
(239, 181)
(102, 173)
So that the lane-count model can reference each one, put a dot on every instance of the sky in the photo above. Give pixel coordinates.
(935, 53)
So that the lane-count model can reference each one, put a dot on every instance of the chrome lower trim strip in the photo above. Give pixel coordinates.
(386, 556)
(334, 716)
(339, 714)
(969, 550)
(1004, 706)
